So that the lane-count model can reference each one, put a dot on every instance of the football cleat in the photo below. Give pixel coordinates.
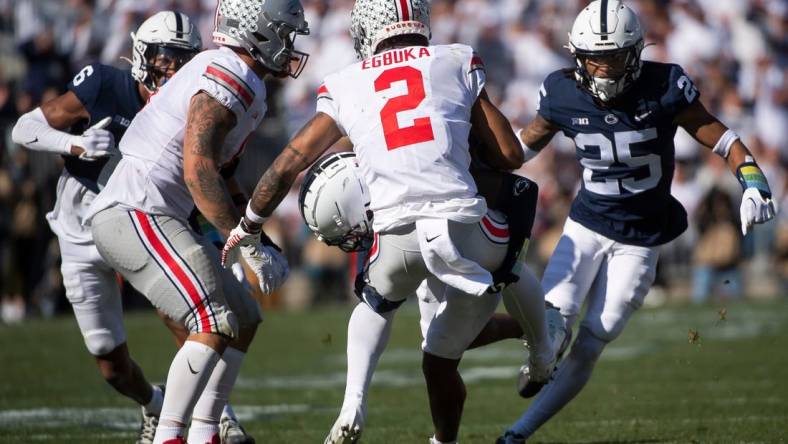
(231, 432)
(510, 438)
(535, 375)
(149, 424)
(347, 429)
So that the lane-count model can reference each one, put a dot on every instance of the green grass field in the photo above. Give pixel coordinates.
(651, 386)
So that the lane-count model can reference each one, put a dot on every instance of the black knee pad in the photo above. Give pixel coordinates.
(368, 295)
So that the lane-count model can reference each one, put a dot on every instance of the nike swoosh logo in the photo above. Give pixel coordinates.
(432, 239)
(194, 372)
(640, 117)
(32, 141)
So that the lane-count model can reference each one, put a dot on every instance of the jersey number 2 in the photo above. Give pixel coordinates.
(421, 130)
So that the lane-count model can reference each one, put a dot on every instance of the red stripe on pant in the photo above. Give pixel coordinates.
(495, 231)
(177, 271)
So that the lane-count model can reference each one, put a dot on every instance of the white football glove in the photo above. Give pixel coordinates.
(267, 262)
(755, 209)
(96, 141)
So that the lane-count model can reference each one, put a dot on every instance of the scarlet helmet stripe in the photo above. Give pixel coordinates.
(404, 10)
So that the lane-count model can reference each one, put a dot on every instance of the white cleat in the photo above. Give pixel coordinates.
(347, 428)
(147, 428)
(536, 374)
(231, 432)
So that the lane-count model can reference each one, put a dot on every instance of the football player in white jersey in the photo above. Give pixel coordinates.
(407, 108)
(106, 98)
(172, 155)
(622, 114)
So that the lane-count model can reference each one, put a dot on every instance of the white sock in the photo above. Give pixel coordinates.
(165, 433)
(572, 375)
(367, 335)
(227, 411)
(153, 407)
(189, 372)
(202, 433)
(524, 301)
(216, 393)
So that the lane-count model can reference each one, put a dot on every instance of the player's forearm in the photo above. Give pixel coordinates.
(211, 196)
(276, 182)
(34, 132)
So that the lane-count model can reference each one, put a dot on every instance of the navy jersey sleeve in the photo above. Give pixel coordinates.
(87, 84)
(680, 91)
(544, 99)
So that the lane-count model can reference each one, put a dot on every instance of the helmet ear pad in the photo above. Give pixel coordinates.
(335, 203)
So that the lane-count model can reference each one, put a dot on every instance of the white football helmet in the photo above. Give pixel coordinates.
(334, 202)
(373, 21)
(607, 28)
(266, 29)
(168, 34)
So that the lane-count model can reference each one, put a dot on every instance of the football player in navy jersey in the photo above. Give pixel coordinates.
(83, 126)
(622, 114)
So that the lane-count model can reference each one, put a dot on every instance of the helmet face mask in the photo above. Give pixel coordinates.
(334, 203)
(266, 30)
(606, 41)
(162, 44)
(164, 61)
(373, 21)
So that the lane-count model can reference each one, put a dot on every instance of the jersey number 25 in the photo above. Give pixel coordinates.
(421, 130)
(637, 174)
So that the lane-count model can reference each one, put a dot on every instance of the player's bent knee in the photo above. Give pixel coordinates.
(102, 342)
(380, 305)
(220, 321)
(587, 347)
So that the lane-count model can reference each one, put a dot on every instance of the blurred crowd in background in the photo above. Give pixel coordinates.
(736, 51)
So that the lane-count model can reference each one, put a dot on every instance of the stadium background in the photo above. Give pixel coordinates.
(706, 373)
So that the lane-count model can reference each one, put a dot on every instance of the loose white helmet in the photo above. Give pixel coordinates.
(266, 29)
(334, 203)
(169, 34)
(373, 21)
(606, 28)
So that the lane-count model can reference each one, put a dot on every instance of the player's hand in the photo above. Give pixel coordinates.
(96, 142)
(755, 209)
(265, 259)
(268, 264)
(239, 236)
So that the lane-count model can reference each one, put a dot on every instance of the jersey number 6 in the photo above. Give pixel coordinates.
(421, 130)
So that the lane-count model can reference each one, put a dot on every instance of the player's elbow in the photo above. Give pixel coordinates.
(19, 131)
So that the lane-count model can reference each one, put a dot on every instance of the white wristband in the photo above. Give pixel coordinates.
(252, 216)
(528, 153)
(723, 146)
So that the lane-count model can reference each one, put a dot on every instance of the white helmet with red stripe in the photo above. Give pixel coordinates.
(334, 202)
(373, 21)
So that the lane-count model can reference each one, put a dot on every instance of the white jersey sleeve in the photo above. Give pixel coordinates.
(477, 76)
(328, 106)
(229, 89)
